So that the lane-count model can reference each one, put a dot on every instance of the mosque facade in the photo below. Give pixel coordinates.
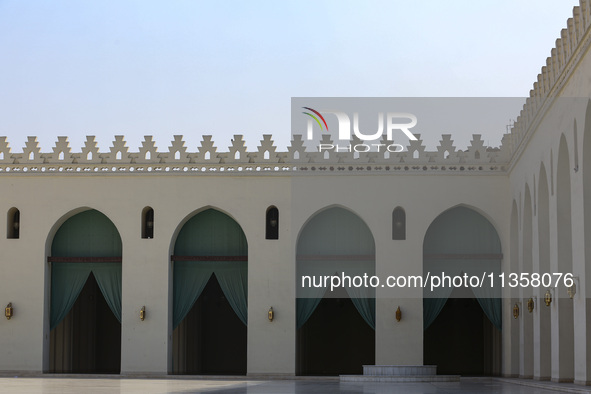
(180, 261)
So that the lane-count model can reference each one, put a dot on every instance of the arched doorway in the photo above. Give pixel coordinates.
(514, 336)
(462, 325)
(544, 313)
(210, 296)
(335, 330)
(527, 319)
(563, 330)
(85, 314)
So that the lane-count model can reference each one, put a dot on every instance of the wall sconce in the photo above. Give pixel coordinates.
(398, 314)
(572, 290)
(143, 313)
(271, 314)
(8, 312)
(548, 298)
(516, 311)
(530, 305)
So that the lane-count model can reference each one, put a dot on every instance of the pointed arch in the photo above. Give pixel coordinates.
(85, 252)
(462, 241)
(564, 370)
(545, 317)
(210, 294)
(527, 345)
(334, 240)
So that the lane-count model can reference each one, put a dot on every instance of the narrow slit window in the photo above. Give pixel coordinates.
(13, 224)
(147, 223)
(398, 224)
(272, 223)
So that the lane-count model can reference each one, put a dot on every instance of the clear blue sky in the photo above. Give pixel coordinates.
(161, 68)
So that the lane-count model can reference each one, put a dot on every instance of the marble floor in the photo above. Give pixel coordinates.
(52, 385)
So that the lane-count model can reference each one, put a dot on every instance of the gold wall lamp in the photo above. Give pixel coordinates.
(143, 313)
(398, 314)
(572, 290)
(8, 312)
(548, 298)
(271, 314)
(515, 311)
(530, 305)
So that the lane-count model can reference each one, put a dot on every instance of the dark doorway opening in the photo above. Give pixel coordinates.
(462, 340)
(335, 340)
(211, 340)
(88, 340)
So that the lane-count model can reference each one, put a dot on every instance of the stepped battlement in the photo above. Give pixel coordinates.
(574, 41)
(237, 159)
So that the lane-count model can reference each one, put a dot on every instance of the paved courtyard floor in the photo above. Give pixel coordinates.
(52, 385)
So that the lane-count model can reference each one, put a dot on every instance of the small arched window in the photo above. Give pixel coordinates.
(272, 223)
(13, 224)
(147, 223)
(398, 224)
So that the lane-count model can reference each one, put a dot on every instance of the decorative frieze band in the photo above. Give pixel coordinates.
(570, 48)
(237, 159)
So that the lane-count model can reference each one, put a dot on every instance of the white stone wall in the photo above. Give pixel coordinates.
(46, 201)
(558, 109)
(48, 188)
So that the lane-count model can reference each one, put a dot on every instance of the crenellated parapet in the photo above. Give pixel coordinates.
(207, 158)
(572, 45)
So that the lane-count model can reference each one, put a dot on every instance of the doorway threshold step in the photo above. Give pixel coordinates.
(400, 378)
(399, 370)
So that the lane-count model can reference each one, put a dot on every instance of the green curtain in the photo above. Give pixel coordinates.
(331, 233)
(462, 230)
(68, 279)
(304, 309)
(191, 277)
(309, 297)
(210, 233)
(364, 305)
(233, 279)
(189, 280)
(431, 309)
(492, 310)
(87, 234)
(108, 278)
